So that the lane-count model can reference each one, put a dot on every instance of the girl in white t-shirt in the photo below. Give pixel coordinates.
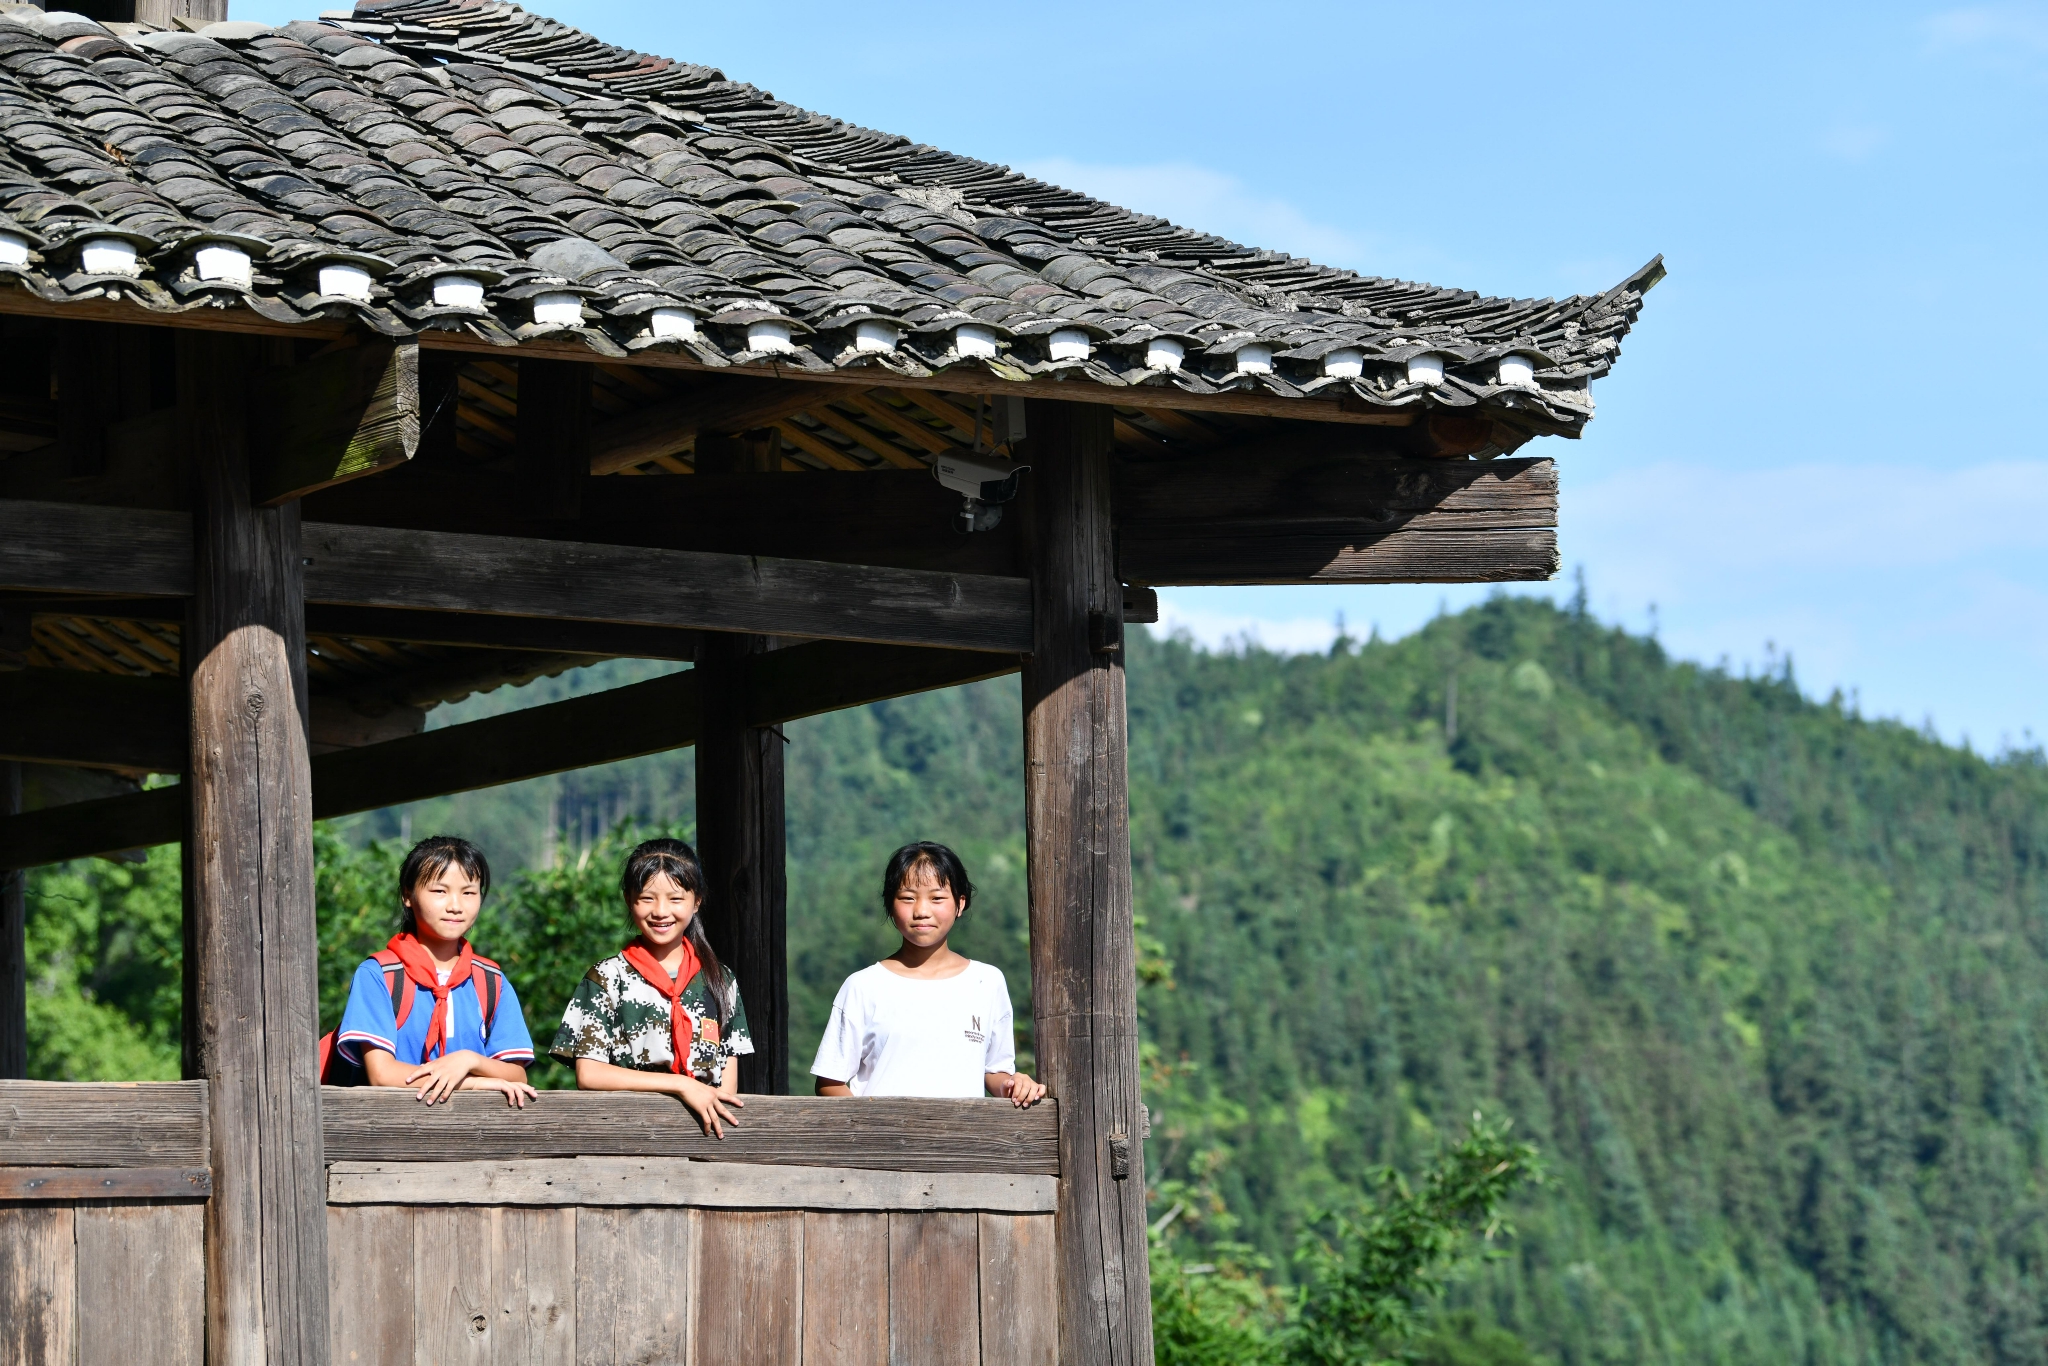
(924, 1021)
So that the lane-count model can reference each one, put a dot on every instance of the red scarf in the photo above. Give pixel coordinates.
(682, 1026)
(422, 971)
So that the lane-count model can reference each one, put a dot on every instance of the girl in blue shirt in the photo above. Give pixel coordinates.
(429, 1012)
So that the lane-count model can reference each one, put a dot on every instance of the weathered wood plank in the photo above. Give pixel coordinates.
(335, 418)
(13, 943)
(1273, 484)
(1020, 1291)
(733, 404)
(846, 1290)
(63, 547)
(103, 1123)
(135, 820)
(250, 872)
(38, 1285)
(67, 716)
(1410, 554)
(368, 1124)
(542, 635)
(380, 567)
(750, 1289)
(653, 1181)
(1084, 986)
(105, 1183)
(633, 1283)
(934, 1295)
(141, 1284)
(495, 1286)
(371, 1306)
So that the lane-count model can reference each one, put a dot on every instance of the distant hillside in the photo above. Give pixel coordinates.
(1765, 981)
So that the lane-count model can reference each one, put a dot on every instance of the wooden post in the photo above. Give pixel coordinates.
(1084, 986)
(251, 869)
(740, 833)
(13, 946)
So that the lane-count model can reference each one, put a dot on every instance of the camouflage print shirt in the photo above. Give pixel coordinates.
(617, 1016)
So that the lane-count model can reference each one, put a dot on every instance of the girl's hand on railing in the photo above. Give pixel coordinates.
(442, 1077)
(708, 1104)
(1019, 1089)
(516, 1093)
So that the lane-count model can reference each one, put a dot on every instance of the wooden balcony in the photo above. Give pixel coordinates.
(589, 1228)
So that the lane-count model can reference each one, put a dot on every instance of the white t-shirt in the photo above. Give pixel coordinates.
(892, 1035)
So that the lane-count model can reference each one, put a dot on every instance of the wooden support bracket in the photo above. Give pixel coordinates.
(337, 417)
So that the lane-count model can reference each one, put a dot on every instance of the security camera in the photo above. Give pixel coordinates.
(984, 482)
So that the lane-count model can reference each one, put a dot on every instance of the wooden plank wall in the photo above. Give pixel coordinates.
(102, 1281)
(612, 1286)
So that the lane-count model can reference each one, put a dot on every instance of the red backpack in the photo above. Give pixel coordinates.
(338, 1069)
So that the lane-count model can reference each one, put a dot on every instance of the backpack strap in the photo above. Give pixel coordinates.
(395, 978)
(487, 994)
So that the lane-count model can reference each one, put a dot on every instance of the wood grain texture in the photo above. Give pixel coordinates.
(335, 418)
(371, 1311)
(141, 1283)
(1425, 550)
(38, 1286)
(368, 1124)
(105, 1183)
(63, 547)
(68, 716)
(495, 1286)
(934, 1295)
(750, 1289)
(673, 1181)
(1084, 987)
(1271, 484)
(1020, 1291)
(103, 1123)
(633, 1281)
(251, 870)
(846, 1290)
(379, 567)
(741, 839)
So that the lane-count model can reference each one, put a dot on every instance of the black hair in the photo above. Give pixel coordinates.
(943, 862)
(431, 857)
(675, 859)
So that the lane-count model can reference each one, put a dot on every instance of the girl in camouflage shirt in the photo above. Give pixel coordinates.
(664, 1014)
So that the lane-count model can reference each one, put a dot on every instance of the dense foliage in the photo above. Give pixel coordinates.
(1763, 980)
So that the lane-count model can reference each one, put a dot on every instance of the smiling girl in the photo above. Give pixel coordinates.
(428, 1011)
(925, 1021)
(664, 1014)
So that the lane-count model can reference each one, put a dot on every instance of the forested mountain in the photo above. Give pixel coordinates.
(1764, 981)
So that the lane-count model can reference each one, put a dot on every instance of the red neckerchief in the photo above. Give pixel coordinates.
(422, 971)
(682, 1026)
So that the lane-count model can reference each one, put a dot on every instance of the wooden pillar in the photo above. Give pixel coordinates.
(1084, 985)
(13, 945)
(251, 869)
(740, 832)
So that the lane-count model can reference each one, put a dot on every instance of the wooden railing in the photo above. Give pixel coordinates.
(589, 1228)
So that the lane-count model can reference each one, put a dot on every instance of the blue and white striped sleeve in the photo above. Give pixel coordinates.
(367, 1020)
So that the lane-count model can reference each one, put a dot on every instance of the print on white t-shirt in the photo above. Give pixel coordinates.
(892, 1035)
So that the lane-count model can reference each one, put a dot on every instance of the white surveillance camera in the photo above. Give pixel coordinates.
(984, 481)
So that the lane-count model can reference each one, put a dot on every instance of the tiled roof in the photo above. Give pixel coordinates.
(587, 191)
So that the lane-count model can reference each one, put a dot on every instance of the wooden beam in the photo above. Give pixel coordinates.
(1421, 550)
(61, 547)
(376, 567)
(334, 418)
(742, 841)
(102, 1123)
(105, 1183)
(729, 405)
(1084, 985)
(65, 716)
(620, 723)
(368, 1124)
(553, 443)
(542, 635)
(251, 868)
(669, 1182)
(13, 947)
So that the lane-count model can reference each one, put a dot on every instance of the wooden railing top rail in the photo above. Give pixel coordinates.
(378, 1125)
(163, 1124)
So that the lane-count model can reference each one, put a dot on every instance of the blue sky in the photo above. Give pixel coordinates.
(1820, 436)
